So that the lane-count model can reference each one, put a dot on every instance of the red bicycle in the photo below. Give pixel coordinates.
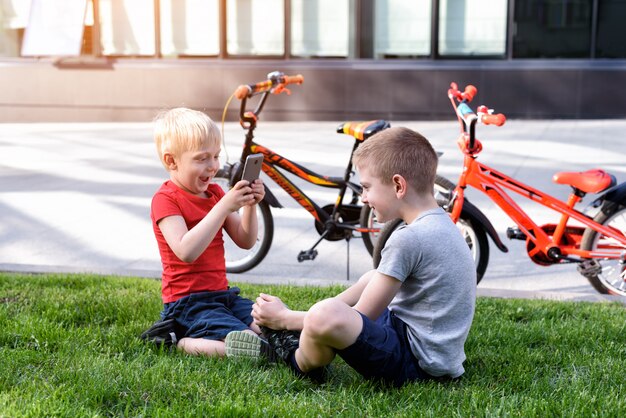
(596, 243)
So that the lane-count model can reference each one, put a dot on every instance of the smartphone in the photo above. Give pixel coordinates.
(252, 167)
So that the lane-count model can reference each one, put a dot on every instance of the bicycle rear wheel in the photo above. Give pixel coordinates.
(610, 274)
(238, 259)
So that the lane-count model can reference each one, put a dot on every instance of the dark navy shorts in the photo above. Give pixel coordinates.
(382, 352)
(210, 315)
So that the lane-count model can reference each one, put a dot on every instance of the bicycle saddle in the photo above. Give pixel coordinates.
(590, 181)
(362, 130)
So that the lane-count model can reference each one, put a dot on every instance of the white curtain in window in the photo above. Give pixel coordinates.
(189, 27)
(320, 28)
(55, 28)
(255, 27)
(127, 27)
(472, 27)
(402, 27)
(13, 16)
(14, 13)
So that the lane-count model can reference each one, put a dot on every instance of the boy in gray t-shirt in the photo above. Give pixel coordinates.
(436, 299)
(409, 319)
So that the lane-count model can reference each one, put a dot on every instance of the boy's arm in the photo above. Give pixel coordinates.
(243, 230)
(351, 295)
(271, 312)
(377, 295)
(189, 244)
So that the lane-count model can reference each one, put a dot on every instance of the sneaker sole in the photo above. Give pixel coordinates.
(243, 344)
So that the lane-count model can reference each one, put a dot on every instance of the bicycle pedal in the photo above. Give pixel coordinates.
(589, 268)
(515, 233)
(307, 255)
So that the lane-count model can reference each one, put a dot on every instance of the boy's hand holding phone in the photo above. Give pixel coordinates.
(251, 172)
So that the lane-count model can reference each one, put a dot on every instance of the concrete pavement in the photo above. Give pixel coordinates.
(76, 197)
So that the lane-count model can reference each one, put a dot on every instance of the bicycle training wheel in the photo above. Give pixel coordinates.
(611, 273)
(443, 193)
(474, 235)
(238, 259)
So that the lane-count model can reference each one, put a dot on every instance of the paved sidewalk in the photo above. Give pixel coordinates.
(76, 197)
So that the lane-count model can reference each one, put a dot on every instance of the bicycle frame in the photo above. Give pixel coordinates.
(492, 183)
(559, 242)
(273, 160)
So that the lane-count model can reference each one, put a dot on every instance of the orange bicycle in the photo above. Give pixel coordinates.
(344, 219)
(594, 239)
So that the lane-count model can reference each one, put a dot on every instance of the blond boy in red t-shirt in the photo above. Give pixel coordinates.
(188, 215)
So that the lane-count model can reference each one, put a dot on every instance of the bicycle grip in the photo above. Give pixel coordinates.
(242, 91)
(293, 79)
(469, 93)
(497, 119)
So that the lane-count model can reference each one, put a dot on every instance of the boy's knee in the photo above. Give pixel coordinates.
(324, 317)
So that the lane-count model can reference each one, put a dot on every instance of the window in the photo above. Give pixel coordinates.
(127, 27)
(610, 41)
(552, 29)
(189, 27)
(13, 20)
(54, 29)
(255, 27)
(320, 28)
(472, 27)
(402, 28)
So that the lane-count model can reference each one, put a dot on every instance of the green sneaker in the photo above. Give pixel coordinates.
(244, 344)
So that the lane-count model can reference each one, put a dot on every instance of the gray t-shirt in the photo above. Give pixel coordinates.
(438, 294)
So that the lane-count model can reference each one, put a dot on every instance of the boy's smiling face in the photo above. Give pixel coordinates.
(381, 197)
(192, 171)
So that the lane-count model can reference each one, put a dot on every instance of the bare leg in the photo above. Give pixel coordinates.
(328, 326)
(254, 328)
(201, 346)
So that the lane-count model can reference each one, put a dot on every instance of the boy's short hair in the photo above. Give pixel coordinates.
(399, 151)
(179, 130)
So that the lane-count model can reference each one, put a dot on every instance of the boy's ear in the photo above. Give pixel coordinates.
(399, 185)
(169, 160)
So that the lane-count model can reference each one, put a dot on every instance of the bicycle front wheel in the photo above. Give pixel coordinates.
(610, 276)
(238, 259)
(443, 190)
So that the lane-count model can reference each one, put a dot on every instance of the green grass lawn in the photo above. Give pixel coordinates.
(69, 347)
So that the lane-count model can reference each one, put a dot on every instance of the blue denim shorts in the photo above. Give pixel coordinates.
(210, 315)
(382, 352)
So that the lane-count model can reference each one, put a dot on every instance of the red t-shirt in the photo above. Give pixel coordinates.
(208, 272)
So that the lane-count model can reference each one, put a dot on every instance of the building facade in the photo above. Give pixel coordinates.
(123, 60)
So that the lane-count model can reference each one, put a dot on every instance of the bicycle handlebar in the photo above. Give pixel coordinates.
(483, 114)
(468, 118)
(488, 118)
(275, 84)
(467, 95)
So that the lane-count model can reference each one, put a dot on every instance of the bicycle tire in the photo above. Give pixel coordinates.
(443, 190)
(239, 260)
(368, 220)
(611, 278)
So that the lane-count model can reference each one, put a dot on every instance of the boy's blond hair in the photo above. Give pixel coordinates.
(399, 151)
(179, 130)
